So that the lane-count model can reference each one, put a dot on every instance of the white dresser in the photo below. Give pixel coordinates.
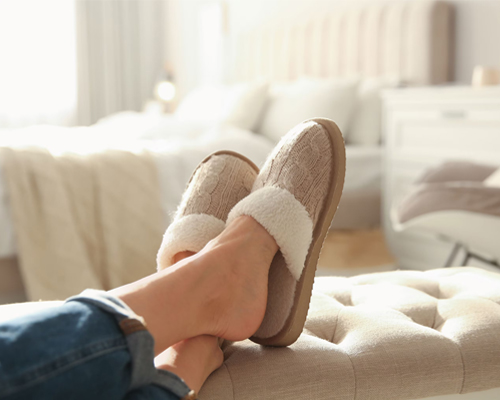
(424, 127)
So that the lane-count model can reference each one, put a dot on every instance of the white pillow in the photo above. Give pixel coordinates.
(365, 127)
(239, 105)
(290, 104)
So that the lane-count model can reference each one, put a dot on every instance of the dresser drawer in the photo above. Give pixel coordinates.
(448, 112)
(448, 136)
(458, 130)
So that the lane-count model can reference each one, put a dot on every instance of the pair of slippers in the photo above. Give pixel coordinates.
(294, 197)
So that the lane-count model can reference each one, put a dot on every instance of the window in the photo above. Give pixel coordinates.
(37, 62)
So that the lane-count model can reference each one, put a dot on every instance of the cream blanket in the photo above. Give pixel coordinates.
(83, 221)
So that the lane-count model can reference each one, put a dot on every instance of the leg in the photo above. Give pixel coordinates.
(220, 291)
(78, 351)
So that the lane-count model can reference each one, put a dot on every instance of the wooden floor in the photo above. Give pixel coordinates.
(354, 252)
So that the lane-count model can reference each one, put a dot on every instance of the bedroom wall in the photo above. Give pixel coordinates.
(476, 37)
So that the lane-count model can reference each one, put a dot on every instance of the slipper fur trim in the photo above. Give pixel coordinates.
(286, 220)
(190, 233)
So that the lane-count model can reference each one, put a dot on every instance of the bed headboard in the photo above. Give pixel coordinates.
(410, 40)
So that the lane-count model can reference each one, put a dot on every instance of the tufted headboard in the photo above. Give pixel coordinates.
(409, 40)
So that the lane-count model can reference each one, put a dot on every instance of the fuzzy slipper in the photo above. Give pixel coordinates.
(295, 198)
(218, 183)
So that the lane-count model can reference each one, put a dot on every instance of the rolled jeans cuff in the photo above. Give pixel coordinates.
(139, 341)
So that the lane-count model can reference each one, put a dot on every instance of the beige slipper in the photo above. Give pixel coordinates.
(218, 183)
(295, 197)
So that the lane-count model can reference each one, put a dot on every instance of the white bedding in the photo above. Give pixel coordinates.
(179, 147)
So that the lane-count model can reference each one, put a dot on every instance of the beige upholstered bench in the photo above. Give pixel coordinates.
(393, 335)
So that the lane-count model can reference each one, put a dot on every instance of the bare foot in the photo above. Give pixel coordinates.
(220, 291)
(238, 262)
(192, 359)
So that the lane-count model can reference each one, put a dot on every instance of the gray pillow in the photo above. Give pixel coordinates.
(457, 171)
(447, 196)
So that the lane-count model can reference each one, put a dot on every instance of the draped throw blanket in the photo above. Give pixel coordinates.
(83, 221)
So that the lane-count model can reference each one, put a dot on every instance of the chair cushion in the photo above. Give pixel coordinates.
(451, 171)
(392, 335)
(433, 197)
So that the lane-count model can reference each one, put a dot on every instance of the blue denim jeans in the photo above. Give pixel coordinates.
(91, 347)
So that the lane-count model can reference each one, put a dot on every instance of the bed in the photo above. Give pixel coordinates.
(330, 66)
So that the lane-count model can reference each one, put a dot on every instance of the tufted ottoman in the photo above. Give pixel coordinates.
(393, 335)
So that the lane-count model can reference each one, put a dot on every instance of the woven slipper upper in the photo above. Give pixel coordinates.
(218, 183)
(288, 198)
(301, 164)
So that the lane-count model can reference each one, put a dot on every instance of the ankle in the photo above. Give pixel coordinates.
(246, 235)
(192, 359)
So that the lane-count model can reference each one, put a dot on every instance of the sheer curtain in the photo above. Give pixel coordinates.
(37, 62)
(120, 52)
